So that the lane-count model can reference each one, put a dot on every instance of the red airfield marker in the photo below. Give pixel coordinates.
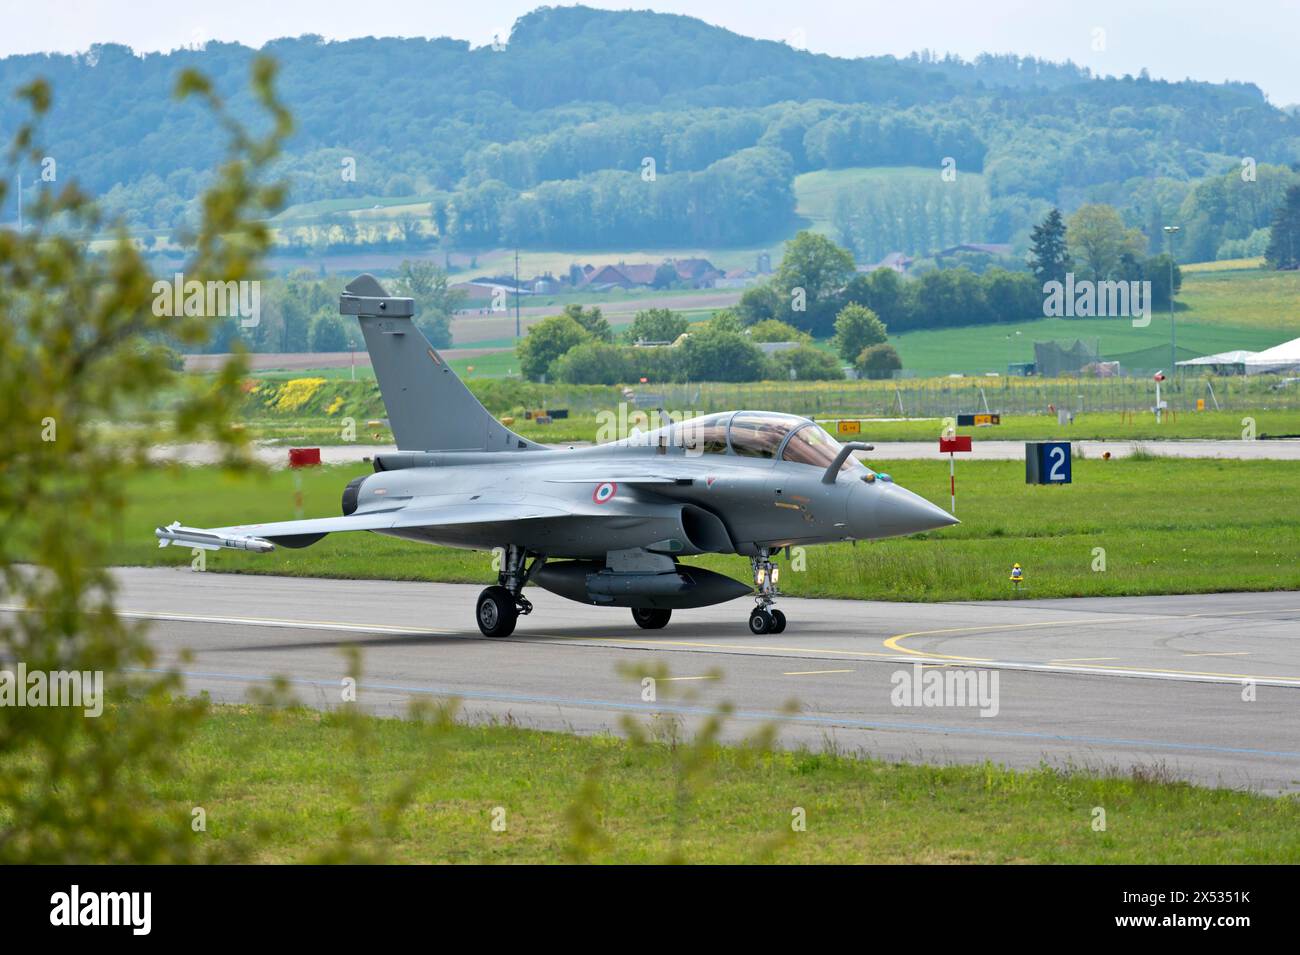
(950, 445)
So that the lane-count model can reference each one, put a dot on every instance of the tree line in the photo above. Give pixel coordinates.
(579, 347)
(521, 140)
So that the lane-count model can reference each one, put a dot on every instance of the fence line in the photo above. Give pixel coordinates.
(933, 398)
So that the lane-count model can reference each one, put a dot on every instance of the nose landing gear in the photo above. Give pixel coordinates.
(764, 618)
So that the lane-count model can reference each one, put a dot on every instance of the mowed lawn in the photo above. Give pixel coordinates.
(1155, 525)
(504, 794)
(1101, 425)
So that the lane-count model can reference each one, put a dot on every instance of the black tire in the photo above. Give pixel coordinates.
(651, 618)
(778, 621)
(496, 612)
(760, 622)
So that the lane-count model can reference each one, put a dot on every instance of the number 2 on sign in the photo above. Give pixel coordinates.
(1055, 474)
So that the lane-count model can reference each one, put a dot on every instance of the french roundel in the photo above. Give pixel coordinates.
(604, 491)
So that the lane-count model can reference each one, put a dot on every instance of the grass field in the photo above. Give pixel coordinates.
(1226, 425)
(298, 776)
(1166, 526)
(1223, 265)
(502, 364)
(1217, 311)
(357, 206)
(1203, 328)
(1242, 298)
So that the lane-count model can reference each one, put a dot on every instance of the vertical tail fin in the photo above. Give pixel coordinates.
(429, 408)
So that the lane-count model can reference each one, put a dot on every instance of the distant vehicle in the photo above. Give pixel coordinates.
(602, 525)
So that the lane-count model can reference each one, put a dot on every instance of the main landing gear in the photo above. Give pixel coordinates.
(651, 618)
(764, 619)
(499, 607)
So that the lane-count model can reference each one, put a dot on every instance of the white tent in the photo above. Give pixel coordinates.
(1278, 358)
(1239, 357)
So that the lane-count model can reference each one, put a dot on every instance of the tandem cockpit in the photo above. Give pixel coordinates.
(753, 434)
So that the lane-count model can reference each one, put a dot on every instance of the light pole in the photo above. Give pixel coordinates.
(1170, 232)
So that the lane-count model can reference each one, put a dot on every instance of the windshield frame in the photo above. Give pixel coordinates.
(762, 419)
(851, 463)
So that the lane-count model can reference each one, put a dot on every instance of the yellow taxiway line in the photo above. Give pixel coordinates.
(895, 643)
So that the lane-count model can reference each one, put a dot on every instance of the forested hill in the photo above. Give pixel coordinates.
(542, 141)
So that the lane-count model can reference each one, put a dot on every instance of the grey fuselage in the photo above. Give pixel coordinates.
(587, 501)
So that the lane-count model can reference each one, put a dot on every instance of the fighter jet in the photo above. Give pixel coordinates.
(605, 525)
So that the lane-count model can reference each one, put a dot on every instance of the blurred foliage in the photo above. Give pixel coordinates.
(80, 342)
(695, 757)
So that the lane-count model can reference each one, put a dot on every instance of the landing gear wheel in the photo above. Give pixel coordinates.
(651, 618)
(778, 621)
(496, 613)
(760, 622)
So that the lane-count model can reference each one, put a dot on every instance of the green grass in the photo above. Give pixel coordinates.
(325, 432)
(496, 365)
(279, 773)
(499, 364)
(1166, 525)
(1225, 425)
(1242, 299)
(1222, 265)
(306, 211)
(985, 348)
(1216, 311)
(1099, 426)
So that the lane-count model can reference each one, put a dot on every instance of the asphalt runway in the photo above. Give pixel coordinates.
(1202, 687)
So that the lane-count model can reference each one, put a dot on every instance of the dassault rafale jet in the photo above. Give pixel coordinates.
(603, 525)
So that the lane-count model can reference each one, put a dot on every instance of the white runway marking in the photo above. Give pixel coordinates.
(632, 643)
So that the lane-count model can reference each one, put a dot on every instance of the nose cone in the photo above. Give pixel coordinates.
(884, 509)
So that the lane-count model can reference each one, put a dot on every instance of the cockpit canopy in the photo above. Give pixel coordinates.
(755, 434)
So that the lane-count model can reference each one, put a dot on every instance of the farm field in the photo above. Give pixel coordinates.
(1242, 298)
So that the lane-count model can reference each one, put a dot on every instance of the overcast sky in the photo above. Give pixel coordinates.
(1252, 40)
